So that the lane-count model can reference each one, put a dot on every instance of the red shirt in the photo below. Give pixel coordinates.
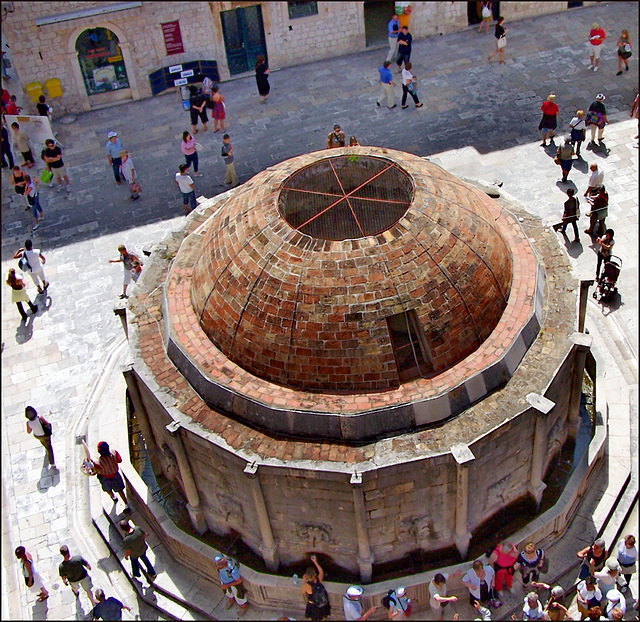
(11, 108)
(550, 108)
(599, 35)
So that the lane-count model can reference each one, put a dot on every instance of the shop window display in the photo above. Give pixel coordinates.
(101, 61)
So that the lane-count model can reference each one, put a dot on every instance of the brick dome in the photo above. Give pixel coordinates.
(354, 270)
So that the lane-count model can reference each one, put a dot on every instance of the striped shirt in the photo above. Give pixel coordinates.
(107, 466)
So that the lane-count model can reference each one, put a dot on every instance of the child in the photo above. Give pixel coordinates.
(136, 269)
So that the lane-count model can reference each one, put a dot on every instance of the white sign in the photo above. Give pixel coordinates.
(175, 68)
(186, 74)
(180, 82)
(37, 128)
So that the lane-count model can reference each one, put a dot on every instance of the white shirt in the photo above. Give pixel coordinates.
(536, 613)
(595, 179)
(184, 181)
(35, 426)
(407, 76)
(127, 169)
(33, 257)
(586, 595)
(626, 556)
(474, 580)
(621, 604)
(577, 123)
(352, 609)
(437, 590)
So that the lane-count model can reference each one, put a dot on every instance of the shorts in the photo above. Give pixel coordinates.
(37, 582)
(595, 51)
(85, 583)
(59, 172)
(115, 483)
(127, 277)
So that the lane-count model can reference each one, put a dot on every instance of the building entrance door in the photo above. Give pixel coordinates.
(377, 15)
(243, 37)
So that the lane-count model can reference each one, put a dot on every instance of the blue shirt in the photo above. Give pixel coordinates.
(385, 75)
(394, 28)
(113, 149)
(229, 574)
(110, 609)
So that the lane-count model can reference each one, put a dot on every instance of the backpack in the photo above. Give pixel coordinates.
(388, 599)
(23, 264)
(319, 595)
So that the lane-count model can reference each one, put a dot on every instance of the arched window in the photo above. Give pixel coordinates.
(101, 61)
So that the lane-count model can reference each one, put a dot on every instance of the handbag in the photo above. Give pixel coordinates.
(557, 159)
(135, 187)
(46, 176)
(502, 41)
(47, 428)
(23, 263)
(543, 567)
(626, 54)
(486, 11)
(199, 146)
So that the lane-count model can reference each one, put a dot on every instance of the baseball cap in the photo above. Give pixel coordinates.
(401, 591)
(112, 134)
(354, 591)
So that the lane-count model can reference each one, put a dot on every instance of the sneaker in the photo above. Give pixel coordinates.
(228, 604)
(35, 310)
(114, 498)
(68, 187)
(35, 227)
(59, 189)
(394, 106)
(51, 185)
(595, 69)
(197, 174)
(419, 105)
(626, 68)
(619, 73)
(405, 106)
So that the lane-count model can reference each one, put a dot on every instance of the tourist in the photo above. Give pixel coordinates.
(484, 613)
(549, 121)
(609, 576)
(635, 108)
(113, 148)
(399, 604)
(42, 108)
(578, 130)
(595, 613)
(18, 180)
(500, 35)
(135, 548)
(588, 596)
(624, 51)
(207, 89)
(593, 556)
(136, 270)
(198, 110)
(393, 30)
(404, 47)
(352, 604)
(218, 110)
(615, 600)
(262, 78)
(35, 264)
(570, 215)
(353, 142)
(565, 154)
(554, 609)
(605, 244)
(616, 613)
(7, 155)
(336, 138)
(129, 173)
(33, 200)
(127, 259)
(32, 578)
(599, 211)
(627, 556)
(230, 177)
(19, 294)
(188, 146)
(479, 580)
(596, 179)
(108, 608)
(231, 583)
(503, 557)
(314, 592)
(532, 608)
(597, 118)
(409, 86)
(187, 188)
(52, 155)
(108, 472)
(487, 16)
(596, 37)
(529, 560)
(42, 430)
(438, 598)
(12, 107)
(23, 143)
(73, 572)
(386, 84)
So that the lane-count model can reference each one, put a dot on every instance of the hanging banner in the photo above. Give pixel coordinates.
(172, 37)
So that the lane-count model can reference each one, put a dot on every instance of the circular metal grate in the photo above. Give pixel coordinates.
(346, 197)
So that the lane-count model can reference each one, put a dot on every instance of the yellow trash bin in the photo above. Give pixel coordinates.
(54, 88)
(34, 90)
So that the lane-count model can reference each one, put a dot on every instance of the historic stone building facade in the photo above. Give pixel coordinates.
(105, 52)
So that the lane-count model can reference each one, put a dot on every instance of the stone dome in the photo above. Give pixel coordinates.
(351, 271)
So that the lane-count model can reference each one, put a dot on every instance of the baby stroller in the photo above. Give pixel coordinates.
(606, 287)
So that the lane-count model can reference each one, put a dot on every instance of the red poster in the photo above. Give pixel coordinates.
(172, 37)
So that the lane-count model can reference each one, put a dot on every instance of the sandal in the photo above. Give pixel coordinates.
(41, 598)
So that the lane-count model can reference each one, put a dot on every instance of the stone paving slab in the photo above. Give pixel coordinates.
(479, 120)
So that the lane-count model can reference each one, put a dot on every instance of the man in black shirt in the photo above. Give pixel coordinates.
(52, 155)
(73, 571)
(404, 47)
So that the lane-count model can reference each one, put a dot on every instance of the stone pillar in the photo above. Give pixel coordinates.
(365, 556)
(194, 508)
(269, 547)
(582, 303)
(463, 457)
(583, 344)
(542, 407)
(142, 416)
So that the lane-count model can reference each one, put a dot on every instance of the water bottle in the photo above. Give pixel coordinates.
(295, 579)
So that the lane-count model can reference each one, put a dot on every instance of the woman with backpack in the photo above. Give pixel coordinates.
(315, 594)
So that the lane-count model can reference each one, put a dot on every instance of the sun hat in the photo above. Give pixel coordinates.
(112, 134)
(354, 591)
(600, 97)
(613, 595)
(401, 591)
(612, 564)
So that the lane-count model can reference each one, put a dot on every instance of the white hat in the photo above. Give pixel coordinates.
(354, 591)
(112, 134)
(612, 564)
(557, 591)
(600, 97)
(614, 595)
(401, 591)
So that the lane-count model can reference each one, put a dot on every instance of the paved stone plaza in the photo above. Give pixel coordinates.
(479, 120)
